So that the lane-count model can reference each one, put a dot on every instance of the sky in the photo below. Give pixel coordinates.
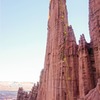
(23, 35)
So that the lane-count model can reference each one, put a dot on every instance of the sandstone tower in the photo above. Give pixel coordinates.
(89, 59)
(58, 75)
(70, 70)
(94, 26)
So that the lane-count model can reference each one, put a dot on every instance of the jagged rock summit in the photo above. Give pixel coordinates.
(23, 95)
(70, 70)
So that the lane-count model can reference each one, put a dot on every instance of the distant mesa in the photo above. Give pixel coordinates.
(13, 86)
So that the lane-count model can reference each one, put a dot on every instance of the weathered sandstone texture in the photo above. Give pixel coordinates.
(70, 70)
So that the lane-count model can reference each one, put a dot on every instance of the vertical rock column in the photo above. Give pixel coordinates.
(85, 79)
(94, 27)
(72, 57)
(56, 76)
(59, 79)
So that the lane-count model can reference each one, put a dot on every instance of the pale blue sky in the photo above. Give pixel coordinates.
(23, 32)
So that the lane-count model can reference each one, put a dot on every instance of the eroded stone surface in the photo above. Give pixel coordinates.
(94, 94)
(23, 95)
(70, 70)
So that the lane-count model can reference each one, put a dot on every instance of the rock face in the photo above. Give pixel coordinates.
(70, 70)
(86, 72)
(61, 61)
(32, 95)
(89, 57)
(94, 25)
(94, 94)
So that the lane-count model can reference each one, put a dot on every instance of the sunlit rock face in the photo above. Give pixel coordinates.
(70, 70)
(61, 61)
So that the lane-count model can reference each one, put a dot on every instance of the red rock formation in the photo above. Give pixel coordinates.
(70, 70)
(85, 78)
(21, 94)
(72, 61)
(60, 70)
(94, 25)
(32, 95)
(94, 94)
(89, 54)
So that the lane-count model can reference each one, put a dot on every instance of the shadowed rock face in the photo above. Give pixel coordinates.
(70, 70)
(94, 27)
(32, 95)
(94, 94)
(22, 95)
